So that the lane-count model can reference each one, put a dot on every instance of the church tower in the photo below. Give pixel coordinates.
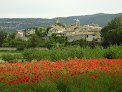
(57, 20)
(77, 23)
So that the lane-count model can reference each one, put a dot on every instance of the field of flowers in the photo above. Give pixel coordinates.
(73, 75)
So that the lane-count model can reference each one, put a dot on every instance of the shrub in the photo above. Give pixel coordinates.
(20, 47)
(12, 58)
(27, 54)
(75, 52)
(109, 54)
(59, 53)
(7, 57)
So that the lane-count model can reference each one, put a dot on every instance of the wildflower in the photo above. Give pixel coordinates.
(2, 78)
(100, 88)
(31, 86)
(90, 86)
(13, 89)
(81, 78)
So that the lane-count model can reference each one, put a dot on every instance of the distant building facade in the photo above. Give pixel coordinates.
(23, 35)
(76, 32)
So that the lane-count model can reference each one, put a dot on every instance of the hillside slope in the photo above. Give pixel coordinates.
(12, 24)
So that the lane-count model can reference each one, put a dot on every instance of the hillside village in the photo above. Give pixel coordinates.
(72, 32)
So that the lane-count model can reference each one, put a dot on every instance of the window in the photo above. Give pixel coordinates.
(76, 37)
(80, 36)
(87, 36)
(93, 35)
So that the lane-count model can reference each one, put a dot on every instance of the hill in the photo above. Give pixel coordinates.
(12, 24)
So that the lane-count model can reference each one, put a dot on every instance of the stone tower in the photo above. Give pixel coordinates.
(57, 20)
(77, 22)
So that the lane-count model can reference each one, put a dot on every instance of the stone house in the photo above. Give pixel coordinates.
(19, 34)
(59, 30)
(30, 31)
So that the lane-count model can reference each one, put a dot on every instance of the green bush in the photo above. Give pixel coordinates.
(27, 54)
(75, 52)
(12, 58)
(109, 54)
(20, 47)
(113, 51)
(57, 53)
(7, 57)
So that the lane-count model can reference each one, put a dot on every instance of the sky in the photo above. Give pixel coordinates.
(57, 8)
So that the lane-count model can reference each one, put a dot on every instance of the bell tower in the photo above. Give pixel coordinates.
(57, 20)
(77, 23)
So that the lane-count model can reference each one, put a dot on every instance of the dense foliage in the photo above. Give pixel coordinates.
(59, 53)
(112, 33)
(3, 35)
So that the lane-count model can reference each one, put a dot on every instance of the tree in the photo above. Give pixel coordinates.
(48, 29)
(41, 32)
(92, 44)
(3, 35)
(111, 33)
(9, 38)
(114, 36)
(115, 23)
(34, 41)
(19, 43)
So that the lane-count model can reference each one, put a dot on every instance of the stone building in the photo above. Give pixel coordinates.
(19, 34)
(76, 32)
(56, 29)
(30, 31)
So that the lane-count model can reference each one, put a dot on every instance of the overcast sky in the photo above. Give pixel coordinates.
(56, 8)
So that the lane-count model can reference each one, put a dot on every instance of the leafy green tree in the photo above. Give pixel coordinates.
(17, 43)
(41, 32)
(34, 41)
(92, 44)
(48, 29)
(9, 38)
(115, 23)
(3, 35)
(111, 33)
(77, 42)
(115, 36)
(82, 43)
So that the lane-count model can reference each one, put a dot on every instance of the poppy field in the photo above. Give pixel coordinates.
(73, 75)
